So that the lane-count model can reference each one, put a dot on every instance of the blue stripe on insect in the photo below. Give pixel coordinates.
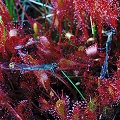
(52, 67)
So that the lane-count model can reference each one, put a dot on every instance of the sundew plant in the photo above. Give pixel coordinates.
(59, 60)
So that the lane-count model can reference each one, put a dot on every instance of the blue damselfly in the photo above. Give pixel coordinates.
(26, 67)
(104, 72)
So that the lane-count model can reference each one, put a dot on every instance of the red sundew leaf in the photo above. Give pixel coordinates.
(81, 53)
(43, 79)
(28, 84)
(111, 89)
(24, 110)
(31, 87)
(113, 92)
(22, 106)
(89, 115)
(58, 49)
(61, 109)
(61, 3)
(65, 44)
(23, 40)
(81, 59)
(44, 46)
(18, 42)
(117, 83)
(44, 42)
(2, 36)
(92, 105)
(4, 102)
(15, 60)
(114, 89)
(47, 51)
(56, 21)
(11, 43)
(4, 13)
(66, 63)
(105, 97)
(4, 39)
(100, 11)
(76, 113)
(9, 26)
(13, 111)
(90, 84)
(4, 55)
(63, 8)
(45, 105)
(104, 11)
(85, 75)
(79, 15)
(113, 22)
(44, 52)
(58, 76)
(28, 59)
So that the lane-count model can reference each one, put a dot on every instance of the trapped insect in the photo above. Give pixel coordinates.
(25, 67)
(104, 70)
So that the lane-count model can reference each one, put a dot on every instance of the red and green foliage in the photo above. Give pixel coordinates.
(75, 90)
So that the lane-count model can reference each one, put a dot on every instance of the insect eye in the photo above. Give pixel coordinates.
(55, 65)
(12, 65)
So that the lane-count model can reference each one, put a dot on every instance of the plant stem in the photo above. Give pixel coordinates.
(73, 85)
(41, 4)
